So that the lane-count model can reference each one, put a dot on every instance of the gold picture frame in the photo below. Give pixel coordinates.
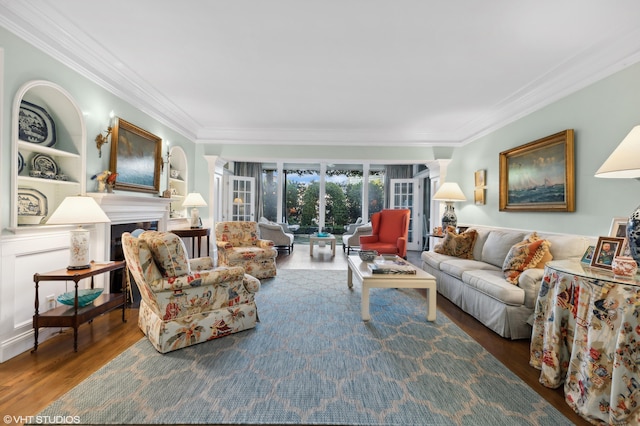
(479, 181)
(539, 176)
(480, 177)
(136, 156)
(478, 195)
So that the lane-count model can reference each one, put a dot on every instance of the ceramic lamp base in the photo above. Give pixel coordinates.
(633, 234)
(195, 219)
(79, 249)
(449, 217)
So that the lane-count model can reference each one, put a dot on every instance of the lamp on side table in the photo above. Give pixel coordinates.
(449, 192)
(624, 162)
(78, 210)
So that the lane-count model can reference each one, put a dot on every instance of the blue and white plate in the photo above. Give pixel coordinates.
(20, 162)
(43, 163)
(36, 125)
(32, 202)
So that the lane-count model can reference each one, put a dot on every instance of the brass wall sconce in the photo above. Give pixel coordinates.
(102, 139)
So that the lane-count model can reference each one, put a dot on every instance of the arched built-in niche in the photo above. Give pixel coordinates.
(48, 150)
(178, 181)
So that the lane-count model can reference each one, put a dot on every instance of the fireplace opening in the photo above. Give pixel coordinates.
(115, 285)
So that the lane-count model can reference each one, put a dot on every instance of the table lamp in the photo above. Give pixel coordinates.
(449, 192)
(195, 200)
(624, 162)
(78, 210)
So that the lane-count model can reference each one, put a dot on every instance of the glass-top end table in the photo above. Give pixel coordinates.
(575, 267)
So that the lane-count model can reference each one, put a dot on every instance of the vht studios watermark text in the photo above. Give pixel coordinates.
(39, 420)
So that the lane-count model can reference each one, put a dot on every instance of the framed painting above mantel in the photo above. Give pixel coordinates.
(136, 156)
(539, 176)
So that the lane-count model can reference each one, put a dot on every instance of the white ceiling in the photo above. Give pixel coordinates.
(406, 72)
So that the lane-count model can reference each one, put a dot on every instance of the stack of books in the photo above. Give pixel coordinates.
(391, 265)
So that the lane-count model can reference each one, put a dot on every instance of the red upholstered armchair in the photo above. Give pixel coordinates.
(390, 230)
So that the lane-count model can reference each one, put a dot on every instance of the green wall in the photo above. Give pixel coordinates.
(601, 115)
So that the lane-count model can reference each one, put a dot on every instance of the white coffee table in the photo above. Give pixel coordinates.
(420, 279)
(331, 239)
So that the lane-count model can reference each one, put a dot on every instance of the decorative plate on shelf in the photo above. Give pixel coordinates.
(32, 202)
(20, 162)
(36, 125)
(43, 163)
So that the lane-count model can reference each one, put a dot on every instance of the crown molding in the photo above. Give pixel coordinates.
(47, 30)
(329, 137)
(575, 73)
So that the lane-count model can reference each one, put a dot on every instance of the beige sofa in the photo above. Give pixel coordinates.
(479, 287)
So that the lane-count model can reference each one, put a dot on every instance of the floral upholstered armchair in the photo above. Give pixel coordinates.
(239, 244)
(185, 302)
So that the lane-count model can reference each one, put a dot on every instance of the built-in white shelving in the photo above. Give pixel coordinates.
(67, 154)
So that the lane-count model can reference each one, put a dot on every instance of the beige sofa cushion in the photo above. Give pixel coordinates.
(456, 267)
(483, 233)
(492, 283)
(498, 244)
(564, 246)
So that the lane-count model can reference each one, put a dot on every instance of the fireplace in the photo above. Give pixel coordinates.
(127, 212)
(117, 253)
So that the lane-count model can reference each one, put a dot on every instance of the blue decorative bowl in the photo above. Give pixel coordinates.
(85, 296)
(323, 234)
(368, 255)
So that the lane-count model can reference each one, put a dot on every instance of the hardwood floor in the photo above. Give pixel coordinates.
(31, 381)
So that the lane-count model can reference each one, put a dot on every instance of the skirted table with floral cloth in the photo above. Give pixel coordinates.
(586, 334)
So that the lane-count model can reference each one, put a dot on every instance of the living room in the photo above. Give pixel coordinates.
(594, 92)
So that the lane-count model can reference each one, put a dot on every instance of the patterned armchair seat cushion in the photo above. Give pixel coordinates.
(239, 245)
(248, 253)
(202, 303)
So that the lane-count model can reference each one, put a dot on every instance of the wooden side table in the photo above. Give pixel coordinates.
(73, 316)
(194, 233)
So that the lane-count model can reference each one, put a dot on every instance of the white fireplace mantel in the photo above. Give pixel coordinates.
(128, 208)
(123, 208)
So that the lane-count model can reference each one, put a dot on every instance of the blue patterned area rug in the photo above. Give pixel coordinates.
(312, 360)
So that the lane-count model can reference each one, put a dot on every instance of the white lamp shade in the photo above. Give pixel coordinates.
(624, 161)
(449, 191)
(194, 199)
(77, 210)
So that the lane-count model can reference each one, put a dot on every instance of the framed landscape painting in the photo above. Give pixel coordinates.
(136, 157)
(539, 176)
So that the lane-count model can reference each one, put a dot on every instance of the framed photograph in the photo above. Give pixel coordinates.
(478, 195)
(539, 176)
(606, 249)
(480, 178)
(618, 227)
(136, 157)
(588, 255)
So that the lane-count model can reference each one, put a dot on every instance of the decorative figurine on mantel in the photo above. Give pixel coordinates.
(106, 181)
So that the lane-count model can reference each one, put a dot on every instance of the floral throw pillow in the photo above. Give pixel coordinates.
(531, 253)
(458, 245)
